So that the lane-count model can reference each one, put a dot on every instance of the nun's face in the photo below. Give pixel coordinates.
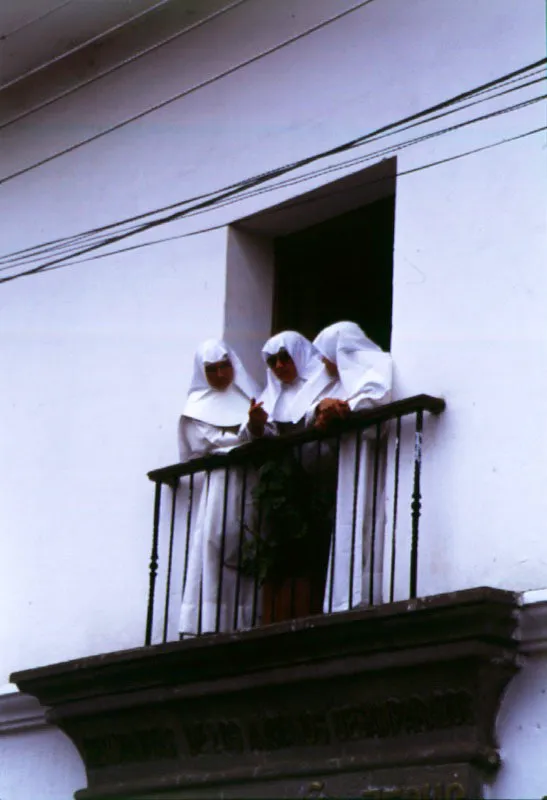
(331, 367)
(282, 366)
(219, 374)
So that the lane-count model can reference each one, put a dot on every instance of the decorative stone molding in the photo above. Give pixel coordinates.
(399, 698)
(19, 712)
(533, 622)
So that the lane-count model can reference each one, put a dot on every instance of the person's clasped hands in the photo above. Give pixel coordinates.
(328, 410)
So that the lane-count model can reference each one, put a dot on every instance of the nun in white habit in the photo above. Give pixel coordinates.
(292, 362)
(218, 403)
(357, 375)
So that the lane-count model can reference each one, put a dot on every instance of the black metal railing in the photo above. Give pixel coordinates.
(288, 526)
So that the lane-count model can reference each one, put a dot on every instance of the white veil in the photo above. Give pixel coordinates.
(363, 367)
(307, 361)
(225, 409)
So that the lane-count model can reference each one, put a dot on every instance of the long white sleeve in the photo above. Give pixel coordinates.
(200, 438)
(245, 435)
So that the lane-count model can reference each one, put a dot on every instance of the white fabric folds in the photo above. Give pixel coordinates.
(356, 554)
(211, 423)
(222, 409)
(365, 371)
(281, 401)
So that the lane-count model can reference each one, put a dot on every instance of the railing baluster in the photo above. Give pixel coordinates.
(273, 596)
(332, 549)
(256, 577)
(395, 509)
(200, 609)
(221, 566)
(374, 512)
(170, 560)
(240, 544)
(299, 446)
(354, 514)
(416, 504)
(206, 488)
(188, 530)
(153, 566)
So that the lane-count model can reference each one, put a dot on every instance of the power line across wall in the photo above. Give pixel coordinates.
(292, 204)
(96, 238)
(64, 262)
(201, 85)
(69, 248)
(130, 60)
(484, 95)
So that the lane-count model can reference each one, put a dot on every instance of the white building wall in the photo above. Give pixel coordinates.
(38, 760)
(521, 728)
(98, 355)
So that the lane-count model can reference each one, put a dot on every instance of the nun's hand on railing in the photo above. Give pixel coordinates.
(328, 410)
(257, 418)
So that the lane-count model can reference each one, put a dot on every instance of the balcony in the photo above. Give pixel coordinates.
(329, 484)
(333, 677)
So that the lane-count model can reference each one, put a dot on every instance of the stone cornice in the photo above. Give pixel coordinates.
(19, 712)
(405, 692)
(533, 622)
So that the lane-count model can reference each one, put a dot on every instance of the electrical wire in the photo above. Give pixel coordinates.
(323, 171)
(123, 63)
(227, 195)
(80, 46)
(186, 92)
(28, 23)
(297, 202)
(375, 155)
(418, 118)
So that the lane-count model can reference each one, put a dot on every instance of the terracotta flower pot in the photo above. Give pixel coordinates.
(291, 597)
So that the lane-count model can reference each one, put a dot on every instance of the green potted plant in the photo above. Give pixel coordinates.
(286, 549)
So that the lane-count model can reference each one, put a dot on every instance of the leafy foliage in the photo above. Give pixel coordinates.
(291, 510)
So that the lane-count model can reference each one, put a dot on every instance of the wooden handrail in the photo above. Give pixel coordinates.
(270, 445)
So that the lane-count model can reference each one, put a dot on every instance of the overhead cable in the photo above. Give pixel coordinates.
(80, 46)
(297, 202)
(71, 243)
(184, 93)
(218, 201)
(218, 13)
(29, 22)
(422, 117)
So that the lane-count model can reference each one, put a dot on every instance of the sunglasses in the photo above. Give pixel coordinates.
(283, 357)
(221, 366)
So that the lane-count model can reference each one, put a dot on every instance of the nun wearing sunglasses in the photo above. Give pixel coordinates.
(292, 360)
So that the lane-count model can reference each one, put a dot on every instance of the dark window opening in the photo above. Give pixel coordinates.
(341, 269)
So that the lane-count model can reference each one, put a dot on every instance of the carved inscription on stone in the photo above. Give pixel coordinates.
(424, 791)
(395, 717)
(390, 718)
(275, 732)
(427, 791)
(131, 747)
(215, 736)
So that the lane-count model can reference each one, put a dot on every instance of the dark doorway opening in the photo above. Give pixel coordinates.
(341, 269)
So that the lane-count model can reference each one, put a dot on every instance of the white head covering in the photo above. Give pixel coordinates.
(224, 408)
(363, 367)
(307, 362)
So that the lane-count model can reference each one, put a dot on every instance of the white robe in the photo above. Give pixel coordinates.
(203, 572)
(214, 421)
(358, 531)
(356, 466)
